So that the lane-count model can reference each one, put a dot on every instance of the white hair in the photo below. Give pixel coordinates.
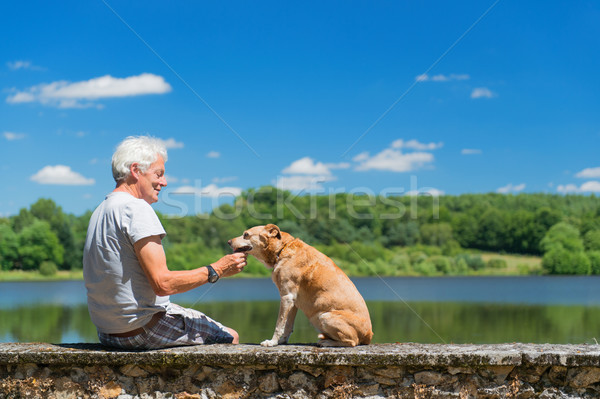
(144, 150)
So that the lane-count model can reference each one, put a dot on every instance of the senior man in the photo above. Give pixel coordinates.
(125, 268)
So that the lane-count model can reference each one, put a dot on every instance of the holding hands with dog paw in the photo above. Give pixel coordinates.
(230, 264)
(125, 266)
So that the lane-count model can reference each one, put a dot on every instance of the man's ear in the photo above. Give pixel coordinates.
(134, 170)
(273, 231)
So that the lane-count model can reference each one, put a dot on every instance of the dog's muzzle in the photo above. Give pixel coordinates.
(245, 248)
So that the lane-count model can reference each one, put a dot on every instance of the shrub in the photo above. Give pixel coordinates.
(496, 263)
(562, 235)
(401, 264)
(417, 257)
(591, 240)
(560, 261)
(425, 268)
(594, 257)
(451, 248)
(473, 262)
(48, 268)
(461, 266)
(442, 264)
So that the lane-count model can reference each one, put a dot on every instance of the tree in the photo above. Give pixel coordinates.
(438, 234)
(46, 209)
(9, 245)
(37, 243)
(403, 234)
(591, 240)
(559, 260)
(562, 235)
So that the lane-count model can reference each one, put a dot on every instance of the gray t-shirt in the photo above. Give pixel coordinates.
(120, 297)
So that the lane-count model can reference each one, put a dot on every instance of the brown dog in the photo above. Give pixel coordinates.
(310, 281)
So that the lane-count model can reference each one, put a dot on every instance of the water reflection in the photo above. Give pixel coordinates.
(436, 322)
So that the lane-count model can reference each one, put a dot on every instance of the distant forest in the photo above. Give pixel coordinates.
(365, 235)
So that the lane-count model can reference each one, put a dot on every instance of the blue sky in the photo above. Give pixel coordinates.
(388, 97)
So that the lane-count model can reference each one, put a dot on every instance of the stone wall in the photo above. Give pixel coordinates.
(40, 370)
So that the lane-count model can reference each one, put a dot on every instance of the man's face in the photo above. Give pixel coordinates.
(152, 181)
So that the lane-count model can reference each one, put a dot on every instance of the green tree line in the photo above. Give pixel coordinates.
(364, 234)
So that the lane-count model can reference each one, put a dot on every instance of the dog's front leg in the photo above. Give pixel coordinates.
(285, 321)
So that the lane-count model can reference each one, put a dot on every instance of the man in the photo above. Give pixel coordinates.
(124, 264)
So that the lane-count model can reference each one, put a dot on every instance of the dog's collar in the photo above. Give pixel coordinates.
(282, 248)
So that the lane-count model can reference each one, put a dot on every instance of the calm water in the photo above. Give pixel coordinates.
(426, 310)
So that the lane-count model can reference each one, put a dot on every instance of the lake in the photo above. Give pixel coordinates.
(537, 309)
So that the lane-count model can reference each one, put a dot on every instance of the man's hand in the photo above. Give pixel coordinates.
(230, 264)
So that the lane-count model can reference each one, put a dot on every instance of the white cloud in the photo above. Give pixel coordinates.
(307, 174)
(482, 92)
(63, 94)
(510, 188)
(213, 154)
(394, 160)
(210, 191)
(299, 183)
(416, 145)
(567, 188)
(589, 173)
(11, 136)
(307, 166)
(363, 156)
(592, 186)
(16, 65)
(441, 77)
(172, 143)
(470, 151)
(61, 175)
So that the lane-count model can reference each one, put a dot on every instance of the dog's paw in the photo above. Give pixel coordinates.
(269, 342)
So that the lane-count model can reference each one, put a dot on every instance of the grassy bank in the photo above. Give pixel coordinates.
(494, 265)
(19, 275)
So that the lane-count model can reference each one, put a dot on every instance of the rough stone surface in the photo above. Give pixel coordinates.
(39, 370)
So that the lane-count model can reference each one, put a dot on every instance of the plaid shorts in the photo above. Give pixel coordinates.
(179, 326)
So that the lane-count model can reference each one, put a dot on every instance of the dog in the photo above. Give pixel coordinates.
(308, 280)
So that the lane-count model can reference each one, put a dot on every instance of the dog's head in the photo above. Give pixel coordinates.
(262, 242)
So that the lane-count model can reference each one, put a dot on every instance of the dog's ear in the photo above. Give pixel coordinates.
(273, 231)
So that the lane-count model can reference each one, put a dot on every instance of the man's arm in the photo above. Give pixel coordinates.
(164, 282)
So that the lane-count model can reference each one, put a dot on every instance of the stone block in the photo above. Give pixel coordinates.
(460, 370)
(428, 378)
(499, 373)
(531, 374)
(148, 384)
(582, 377)
(268, 383)
(110, 390)
(133, 370)
(338, 376)
(390, 372)
(314, 371)
(367, 389)
(204, 373)
(557, 375)
(26, 370)
(78, 375)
